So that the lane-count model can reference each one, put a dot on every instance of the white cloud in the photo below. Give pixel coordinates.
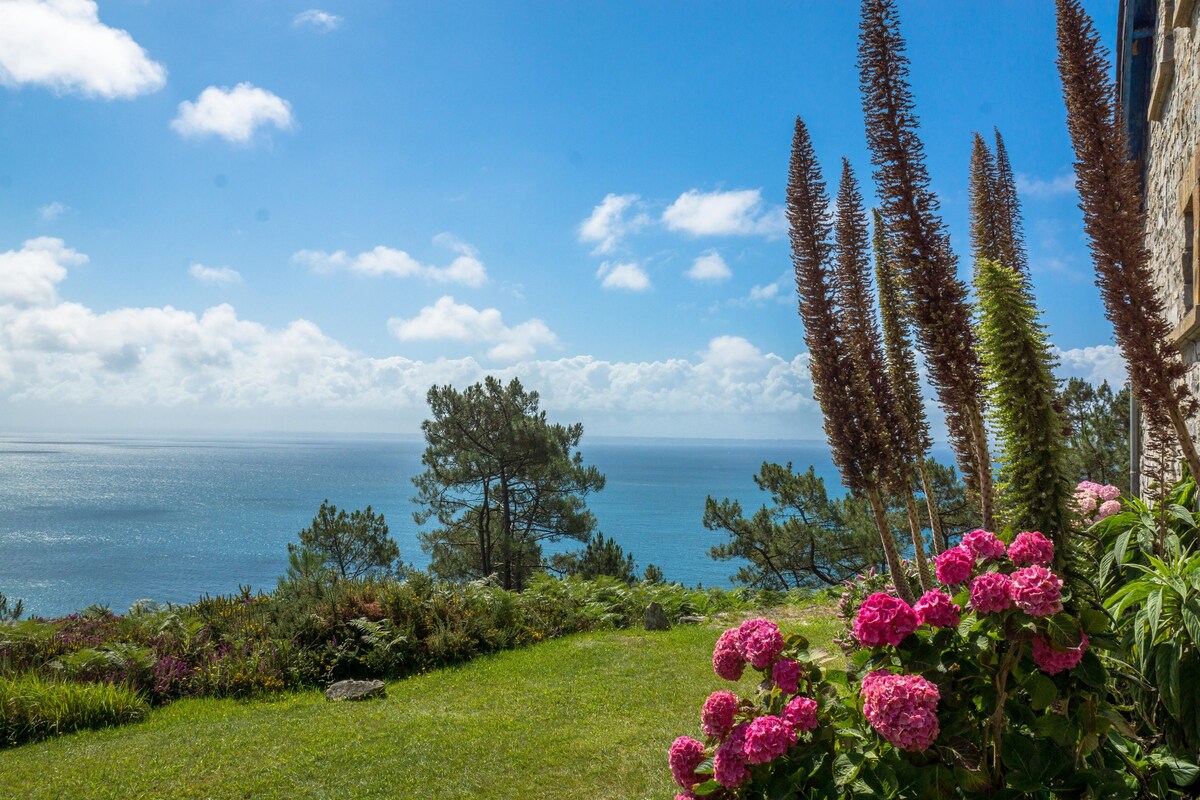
(29, 276)
(1032, 186)
(62, 45)
(628, 276)
(741, 212)
(710, 268)
(761, 293)
(1094, 364)
(316, 18)
(233, 114)
(459, 322)
(52, 211)
(607, 224)
(222, 276)
(465, 269)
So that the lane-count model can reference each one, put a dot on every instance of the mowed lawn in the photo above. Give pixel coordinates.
(588, 716)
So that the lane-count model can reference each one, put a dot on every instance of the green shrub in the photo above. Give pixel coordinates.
(33, 708)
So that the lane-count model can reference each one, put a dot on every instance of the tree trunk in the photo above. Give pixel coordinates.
(506, 543)
(914, 525)
(935, 519)
(899, 579)
(485, 544)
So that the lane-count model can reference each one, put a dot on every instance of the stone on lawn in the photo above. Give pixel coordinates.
(656, 618)
(356, 690)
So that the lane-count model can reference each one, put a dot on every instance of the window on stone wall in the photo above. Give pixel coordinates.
(1188, 267)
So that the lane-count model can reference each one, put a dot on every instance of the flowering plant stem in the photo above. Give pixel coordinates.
(1011, 657)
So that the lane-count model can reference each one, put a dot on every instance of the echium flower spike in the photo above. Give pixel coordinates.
(1019, 369)
(938, 300)
(902, 373)
(830, 364)
(1008, 214)
(982, 194)
(1113, 220)
(883, 425)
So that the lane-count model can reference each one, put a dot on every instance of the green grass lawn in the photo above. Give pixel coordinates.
(588, 716)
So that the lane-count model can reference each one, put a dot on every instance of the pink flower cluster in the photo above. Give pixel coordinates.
(991, 593)
(767, 738)
(937, 609)
(884, 619)
(786, 675)
(1095, 501)
(759, 642)
(801, 713)
(983, 544)
(727, 657)
(954, 566)
(729, 762)
(901, 709)
(1052, 660)
(1031, 548)
(716, 719)
(1037, 591)
(685, 755)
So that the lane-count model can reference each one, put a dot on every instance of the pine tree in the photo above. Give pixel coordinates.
(938, 300)
(1022, 395)
(1114, 221)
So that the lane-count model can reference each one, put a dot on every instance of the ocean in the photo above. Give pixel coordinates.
(111, 520)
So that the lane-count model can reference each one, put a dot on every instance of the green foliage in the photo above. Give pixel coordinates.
(601, 557)
(807, 539)
(653, 574)
(1018, 368)
(1098, 443)
(499, 480)
(32, 707)
(350, 545)
(10, 612)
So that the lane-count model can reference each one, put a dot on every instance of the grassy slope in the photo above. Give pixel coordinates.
(587, 716)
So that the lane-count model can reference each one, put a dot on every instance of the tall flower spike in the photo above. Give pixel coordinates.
(938, 300)
(829, 363)
(902, 374)
(1011, 239)
(983, 196)
(1115, 223)
(883, 424)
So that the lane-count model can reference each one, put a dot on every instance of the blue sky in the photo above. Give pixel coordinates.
(267, 215)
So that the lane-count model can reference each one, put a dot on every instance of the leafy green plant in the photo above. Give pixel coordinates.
(32, 707)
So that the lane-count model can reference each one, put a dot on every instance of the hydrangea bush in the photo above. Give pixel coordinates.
(988, 686)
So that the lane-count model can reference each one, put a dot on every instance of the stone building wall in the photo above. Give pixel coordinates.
(1169, 165)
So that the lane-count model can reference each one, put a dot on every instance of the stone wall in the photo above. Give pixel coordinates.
(1171, 145)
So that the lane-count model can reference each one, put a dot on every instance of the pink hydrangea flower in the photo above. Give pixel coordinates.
(767, 738)
(786, 674)
(684, 756)
(1107, 509)
(991, 593)
(883, 618)
(685, 796)
(801, 714)
(1052, 660)
(729, 762)
(1037, 591)
(1031, 547)
(983, 544)
(902, 709)
(954, 566)
(937, 609)
(760, 642)
(727, 658)
(1108, 493)
(716, 719)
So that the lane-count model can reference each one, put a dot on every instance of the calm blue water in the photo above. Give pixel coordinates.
(112, 520)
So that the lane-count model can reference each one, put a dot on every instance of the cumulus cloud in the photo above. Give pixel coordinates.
(29, 276)
(63, 46)
(709, 268)
(736, 213)
(233, 114)
(608, 223)
(56, 353)
(448, 320)
(316, 18)
(1032, 186)
(221, 276)
(465, 269)
(766, 292)
(52, 211)
(1093, 364)
(628, 277)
